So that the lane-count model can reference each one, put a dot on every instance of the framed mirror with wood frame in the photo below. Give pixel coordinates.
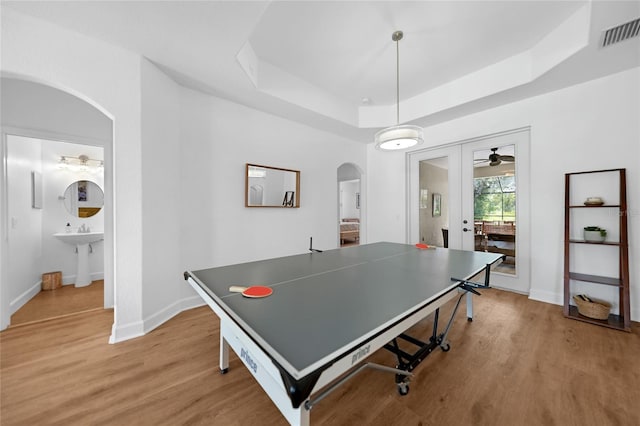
(267, 186)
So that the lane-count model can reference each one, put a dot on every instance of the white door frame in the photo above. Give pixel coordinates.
(520, 282)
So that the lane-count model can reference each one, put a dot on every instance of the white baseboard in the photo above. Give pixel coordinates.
(547, 296)
(95, 276)
(126, 331)
(21, 300)
(162, 316)
(71, 279)
(150, 323)
(192, 302)
(558, 299)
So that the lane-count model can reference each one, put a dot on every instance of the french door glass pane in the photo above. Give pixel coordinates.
(494, 206)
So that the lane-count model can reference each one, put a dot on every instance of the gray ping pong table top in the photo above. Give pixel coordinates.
(326, 303)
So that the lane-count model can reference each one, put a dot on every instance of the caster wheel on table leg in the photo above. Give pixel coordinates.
(224, 370)
(445, 348)
(403, 388)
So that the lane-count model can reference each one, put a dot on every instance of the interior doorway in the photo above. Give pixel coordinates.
(435, 197)
(434, 204)
(350, 205)
(37, 110)
(34, 249)
(350, 213)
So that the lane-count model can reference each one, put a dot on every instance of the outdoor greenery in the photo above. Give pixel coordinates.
(495, 198)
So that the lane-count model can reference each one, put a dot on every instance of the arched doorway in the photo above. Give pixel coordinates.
(43, 116)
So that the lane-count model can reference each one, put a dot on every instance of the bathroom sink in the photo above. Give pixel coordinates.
(80, 238)
(81, 241)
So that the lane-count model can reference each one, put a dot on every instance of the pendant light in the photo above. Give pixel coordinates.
(399, 136)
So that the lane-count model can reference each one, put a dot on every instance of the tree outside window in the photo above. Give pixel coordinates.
(495, 198)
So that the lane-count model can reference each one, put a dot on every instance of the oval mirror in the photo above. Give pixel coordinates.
(83, 198)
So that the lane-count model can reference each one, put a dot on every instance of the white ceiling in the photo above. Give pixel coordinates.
(315, 61)
(442, 41)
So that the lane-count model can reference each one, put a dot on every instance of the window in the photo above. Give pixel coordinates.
(495, 198)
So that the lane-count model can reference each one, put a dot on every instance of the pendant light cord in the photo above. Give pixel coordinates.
(398, 81)
(397, 137)
(397, 36)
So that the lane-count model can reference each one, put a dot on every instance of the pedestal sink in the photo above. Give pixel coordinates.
(81, 241)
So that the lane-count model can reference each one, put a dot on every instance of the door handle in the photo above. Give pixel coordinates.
(466, 229)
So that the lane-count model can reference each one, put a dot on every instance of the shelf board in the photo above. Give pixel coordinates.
(603, 243)
(614, 321)
(578, 206)
(616, 282)
(594, 171)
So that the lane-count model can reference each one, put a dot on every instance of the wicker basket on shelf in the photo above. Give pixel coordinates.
(596, 309)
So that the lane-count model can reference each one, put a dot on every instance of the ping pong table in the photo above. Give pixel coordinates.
(330, 310)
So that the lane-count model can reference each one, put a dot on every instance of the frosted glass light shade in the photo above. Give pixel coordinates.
(398, 137)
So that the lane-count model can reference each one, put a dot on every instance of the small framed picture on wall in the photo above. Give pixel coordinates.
(82, 190)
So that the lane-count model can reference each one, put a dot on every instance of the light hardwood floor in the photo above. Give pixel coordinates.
(520, 362)
(67, 300)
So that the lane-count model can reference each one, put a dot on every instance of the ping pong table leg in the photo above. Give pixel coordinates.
(224, 355)
(305, 417)
(469, 307)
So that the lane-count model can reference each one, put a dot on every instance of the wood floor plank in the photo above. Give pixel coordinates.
(520, 362)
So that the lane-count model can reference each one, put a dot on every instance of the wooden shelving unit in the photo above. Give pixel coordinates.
(622, 321)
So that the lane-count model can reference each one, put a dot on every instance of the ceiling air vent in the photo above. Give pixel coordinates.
(621, 32)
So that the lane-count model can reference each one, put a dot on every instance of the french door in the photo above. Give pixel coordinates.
(486, 202)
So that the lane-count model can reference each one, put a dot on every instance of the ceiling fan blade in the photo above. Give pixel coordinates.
(509, 158)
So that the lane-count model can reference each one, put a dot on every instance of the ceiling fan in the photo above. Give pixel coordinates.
(495, 158)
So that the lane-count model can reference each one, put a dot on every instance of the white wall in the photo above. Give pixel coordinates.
(24, 232)
(218, 139)
(589, 126)
(386, 195)
(162, 208)
(108, 78)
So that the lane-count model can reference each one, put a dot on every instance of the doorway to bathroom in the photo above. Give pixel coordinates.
(40, 111)
(54, 195)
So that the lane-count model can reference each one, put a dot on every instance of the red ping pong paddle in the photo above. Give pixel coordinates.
(424, 246)
(254, 291)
